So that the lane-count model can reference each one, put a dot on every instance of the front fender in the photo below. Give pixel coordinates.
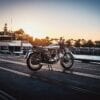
(28, 54)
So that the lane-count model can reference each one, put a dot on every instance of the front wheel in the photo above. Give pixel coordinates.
(67, 61)
(33, 61)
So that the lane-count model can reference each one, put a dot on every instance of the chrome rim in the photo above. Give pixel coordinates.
(67, 60)
(34, 61)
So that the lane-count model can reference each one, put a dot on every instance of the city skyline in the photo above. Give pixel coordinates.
(54, 18)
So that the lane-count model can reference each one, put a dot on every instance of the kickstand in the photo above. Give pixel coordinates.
(50, 67)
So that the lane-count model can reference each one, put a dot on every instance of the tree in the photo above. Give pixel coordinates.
(68, 43)
(47, 41)
(90, 43)
(83, 42)
(42, 42)
(19, 34)
(78, 43)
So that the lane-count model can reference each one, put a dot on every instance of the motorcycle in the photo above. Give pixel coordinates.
(49, 55)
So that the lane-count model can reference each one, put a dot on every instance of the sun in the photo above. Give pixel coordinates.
(38, 35)
(29, 30)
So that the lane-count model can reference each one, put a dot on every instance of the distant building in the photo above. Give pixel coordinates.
(9, 44)
(97, 43)
(5, 35)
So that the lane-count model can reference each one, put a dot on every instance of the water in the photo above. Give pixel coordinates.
(87, 57)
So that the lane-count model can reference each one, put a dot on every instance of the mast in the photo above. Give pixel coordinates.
(5, 28)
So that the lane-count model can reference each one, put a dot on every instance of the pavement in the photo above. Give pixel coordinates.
(82, 81)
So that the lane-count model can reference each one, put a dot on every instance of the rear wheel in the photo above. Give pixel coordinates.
(67, 61)
(33, 61)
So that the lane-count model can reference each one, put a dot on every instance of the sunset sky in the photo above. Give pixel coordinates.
(54, 18)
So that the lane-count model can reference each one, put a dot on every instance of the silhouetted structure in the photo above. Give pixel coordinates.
(6, 35)
(10, 44)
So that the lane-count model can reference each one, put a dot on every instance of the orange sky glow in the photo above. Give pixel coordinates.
(63, 18)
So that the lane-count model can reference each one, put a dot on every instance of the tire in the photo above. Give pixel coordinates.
(33, 62)
(67, 63)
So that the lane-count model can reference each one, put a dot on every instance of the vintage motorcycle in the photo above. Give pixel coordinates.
(49, 55)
